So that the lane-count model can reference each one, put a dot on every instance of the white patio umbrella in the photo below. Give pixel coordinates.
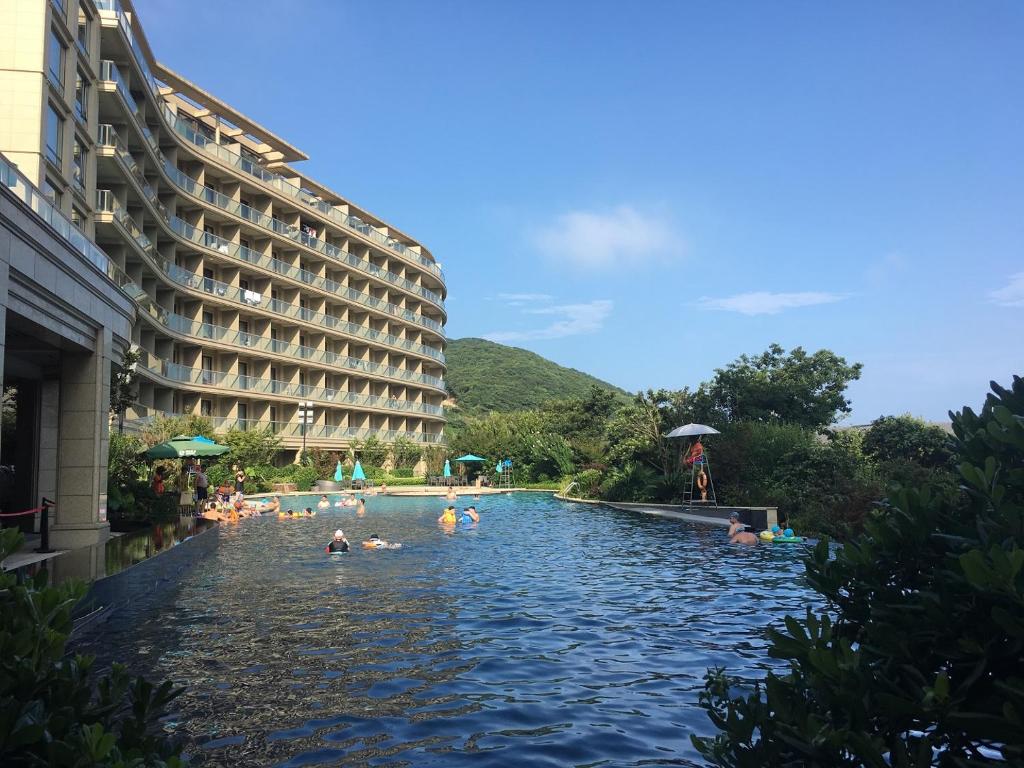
(691, 430)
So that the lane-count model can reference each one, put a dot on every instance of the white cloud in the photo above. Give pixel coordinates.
(598, 240)
(571, 320)
(767, 303)
(525, 296)
(1011, 294)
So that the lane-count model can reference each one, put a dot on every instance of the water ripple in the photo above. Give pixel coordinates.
(549, 635)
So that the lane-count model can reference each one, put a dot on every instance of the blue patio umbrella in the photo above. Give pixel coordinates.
(447, 468)
(338, 474)
(470, 457)
(357, 472)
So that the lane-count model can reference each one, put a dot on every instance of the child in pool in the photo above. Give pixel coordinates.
(448, 516)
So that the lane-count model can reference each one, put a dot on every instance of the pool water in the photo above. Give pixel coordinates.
(549, 634)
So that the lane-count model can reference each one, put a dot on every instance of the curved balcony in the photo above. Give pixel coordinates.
(12, 179)
(191, 330)
(287, 429)
(107, 203)
(254, 170)
(108, 137)
(252, 386)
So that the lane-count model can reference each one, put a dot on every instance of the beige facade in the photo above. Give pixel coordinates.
(257, 288)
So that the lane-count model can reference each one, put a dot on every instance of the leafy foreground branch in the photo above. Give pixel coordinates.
(53, 710)
(923, 662)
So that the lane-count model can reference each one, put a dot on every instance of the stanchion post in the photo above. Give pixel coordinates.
(44, 527)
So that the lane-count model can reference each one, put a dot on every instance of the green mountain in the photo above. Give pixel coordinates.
(484, 376)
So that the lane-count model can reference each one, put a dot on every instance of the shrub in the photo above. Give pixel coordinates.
(401, 472)
(919, 657)
(588, 483)
(56, 711)
(305, 477)
(634, 482)
(125, 462)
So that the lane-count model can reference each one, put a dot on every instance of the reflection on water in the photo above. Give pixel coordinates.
(549, 634)
(119, 551)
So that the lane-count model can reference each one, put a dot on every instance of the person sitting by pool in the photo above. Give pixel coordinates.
(224, 492)
(376, 542)
(272, 506)
(361, 507)
(323, 503)
(448, 516)
(469, 515)
(339, 543)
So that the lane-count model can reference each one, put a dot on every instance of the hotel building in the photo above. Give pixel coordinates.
(255, 288)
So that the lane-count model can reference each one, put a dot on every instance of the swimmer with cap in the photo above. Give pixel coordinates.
(339, 543)
(737, 534)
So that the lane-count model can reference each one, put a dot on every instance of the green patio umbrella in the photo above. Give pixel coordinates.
(339, 475)
(182, 446)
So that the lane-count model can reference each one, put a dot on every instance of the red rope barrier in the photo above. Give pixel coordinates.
(26, 512)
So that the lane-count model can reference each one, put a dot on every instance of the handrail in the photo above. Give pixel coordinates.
(274, 180)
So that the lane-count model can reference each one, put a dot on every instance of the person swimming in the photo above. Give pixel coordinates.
(361, 507)
(469, 515)
(737, 534)
(376, 542)
(448, 517)
(323, 503)
(451, 495)
(308, 512)
(339, 543)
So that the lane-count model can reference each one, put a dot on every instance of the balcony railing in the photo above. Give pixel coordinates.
(107, 137)
(140, 416)
(254, 169)
(250, 384)
(108, 203)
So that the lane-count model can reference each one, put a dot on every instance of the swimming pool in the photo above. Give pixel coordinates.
(550, 634)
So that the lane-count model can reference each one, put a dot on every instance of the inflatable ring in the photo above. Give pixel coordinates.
(787, 539)
(766, 536)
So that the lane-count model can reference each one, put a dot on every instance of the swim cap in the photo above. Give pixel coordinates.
(734, 516)
(776, 529)
(789, 532)
(338, 534)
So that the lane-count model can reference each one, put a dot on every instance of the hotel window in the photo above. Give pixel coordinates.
(206, 408)
(81, 96)
(77, 218)
(78, 169)
(273, 417)
(51, 193)
(55, 61)
(243, 415)
(83, 31)
(54, 129)
(243, 375)
(59, 5)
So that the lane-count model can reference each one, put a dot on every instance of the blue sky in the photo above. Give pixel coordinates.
(645, 191)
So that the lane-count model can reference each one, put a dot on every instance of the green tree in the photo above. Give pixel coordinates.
(126, 463)
(163, 428)
(794, 388)
(54, 709)
(636, 433)
(250, 447)
(904, 438)
(918, 659)
(405, 453)
(122, 386)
